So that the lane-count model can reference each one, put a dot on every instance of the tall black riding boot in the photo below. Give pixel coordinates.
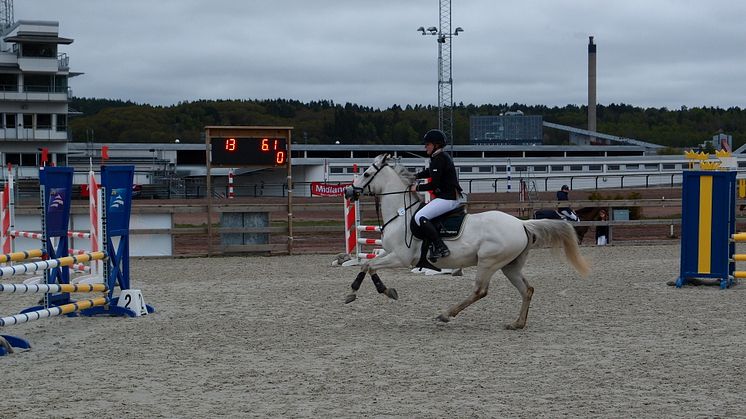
(438, 249)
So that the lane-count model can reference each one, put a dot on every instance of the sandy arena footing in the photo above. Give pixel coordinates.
(271, 337)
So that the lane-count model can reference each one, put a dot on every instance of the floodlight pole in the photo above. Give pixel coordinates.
(445, 80)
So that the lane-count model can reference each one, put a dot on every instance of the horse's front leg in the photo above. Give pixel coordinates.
(387, 260)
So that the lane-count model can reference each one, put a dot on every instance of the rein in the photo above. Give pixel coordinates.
(406, 208)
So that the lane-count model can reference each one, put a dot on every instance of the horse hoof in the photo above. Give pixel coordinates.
(443, 318)
(514, 326)
(350, 298)
(391, 293)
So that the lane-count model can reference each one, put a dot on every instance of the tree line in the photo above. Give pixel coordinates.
(324, 122)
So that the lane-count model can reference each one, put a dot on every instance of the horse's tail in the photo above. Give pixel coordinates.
(557, 234)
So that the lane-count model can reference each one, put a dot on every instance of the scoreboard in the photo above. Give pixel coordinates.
(248, 146)
(249, 151)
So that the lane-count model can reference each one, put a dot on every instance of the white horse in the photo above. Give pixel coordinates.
(490, 240)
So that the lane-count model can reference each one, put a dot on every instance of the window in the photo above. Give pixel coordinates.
(22, 159)
(60, 84)
(39, 49)
(500, 169)
(37, 83)
(520, 169)
(8, 82)
(540, 168)
(465, 169)
(484, 169)
(61, 122)
(671, 166)
(28, 120)
(10, 120)
(651, 167)
(576, 168)
(595, 168)
(336, 170)
(558, 168)
(13, 158)
(632, 166)
(612, 167)
(44, 121)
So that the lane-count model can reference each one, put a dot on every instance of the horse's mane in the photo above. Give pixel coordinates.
(404, 173)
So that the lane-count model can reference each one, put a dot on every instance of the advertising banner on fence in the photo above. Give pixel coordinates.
(328, 189)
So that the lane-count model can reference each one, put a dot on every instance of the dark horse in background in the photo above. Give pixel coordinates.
(584, 214)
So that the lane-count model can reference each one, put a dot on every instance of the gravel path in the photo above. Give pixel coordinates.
(271, 337)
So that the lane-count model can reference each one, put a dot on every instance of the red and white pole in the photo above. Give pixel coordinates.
(95, 221)
(4, 220)
(6, 214)
(230, 185)
(351, 221)
(350, 227)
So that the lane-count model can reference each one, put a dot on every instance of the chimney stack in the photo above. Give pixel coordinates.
(591, 87)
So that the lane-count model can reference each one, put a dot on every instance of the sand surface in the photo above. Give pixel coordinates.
(271, 337)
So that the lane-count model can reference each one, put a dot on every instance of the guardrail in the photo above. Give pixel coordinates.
(318, 226)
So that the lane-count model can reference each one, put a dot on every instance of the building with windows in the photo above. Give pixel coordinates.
(510, 128)
(34, 92)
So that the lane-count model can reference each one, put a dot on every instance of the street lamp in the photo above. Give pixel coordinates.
(445, 80)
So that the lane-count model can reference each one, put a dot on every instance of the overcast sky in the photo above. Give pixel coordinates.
(651, 53)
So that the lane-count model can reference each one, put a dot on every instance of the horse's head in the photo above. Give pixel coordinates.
(367, 182)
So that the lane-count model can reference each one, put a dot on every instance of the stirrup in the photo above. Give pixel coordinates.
(438, 251)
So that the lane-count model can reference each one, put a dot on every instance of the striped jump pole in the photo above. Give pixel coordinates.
(231, 195)
(18, 256)
(40, 236)
(53, 311)
(50, 264)
(80, 267)
(361, 241)
(354, 242)
(46, 288)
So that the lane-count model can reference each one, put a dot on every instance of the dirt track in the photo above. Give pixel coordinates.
(270, 337)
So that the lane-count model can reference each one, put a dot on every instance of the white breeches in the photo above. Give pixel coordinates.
(434, 208)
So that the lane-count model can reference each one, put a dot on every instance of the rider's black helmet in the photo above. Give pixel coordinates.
(564, 188)
(436, 137)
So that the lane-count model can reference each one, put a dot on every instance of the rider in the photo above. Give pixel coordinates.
(444, 184)
(564, 195)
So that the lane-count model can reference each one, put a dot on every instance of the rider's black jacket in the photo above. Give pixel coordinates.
(444, 183)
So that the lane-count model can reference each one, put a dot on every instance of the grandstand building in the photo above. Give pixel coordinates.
(34, 92)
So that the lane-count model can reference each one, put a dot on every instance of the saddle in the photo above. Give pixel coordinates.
(449, 225)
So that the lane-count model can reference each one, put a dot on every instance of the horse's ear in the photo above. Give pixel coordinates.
(386, 158)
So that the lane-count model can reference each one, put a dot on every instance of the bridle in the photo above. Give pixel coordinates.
(353, 193)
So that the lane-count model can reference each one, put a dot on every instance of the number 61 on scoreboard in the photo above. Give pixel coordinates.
(249, 151)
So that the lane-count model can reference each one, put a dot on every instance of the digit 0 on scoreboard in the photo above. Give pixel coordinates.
(249, 151)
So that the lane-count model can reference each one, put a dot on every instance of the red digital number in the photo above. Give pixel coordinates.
(265, 144)
(230, 144)
(280, 157)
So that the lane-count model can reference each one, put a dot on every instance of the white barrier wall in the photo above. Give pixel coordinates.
(151, 244)
(140, 244)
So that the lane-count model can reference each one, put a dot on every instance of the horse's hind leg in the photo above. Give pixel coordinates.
(481, 284)
(514, 273)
